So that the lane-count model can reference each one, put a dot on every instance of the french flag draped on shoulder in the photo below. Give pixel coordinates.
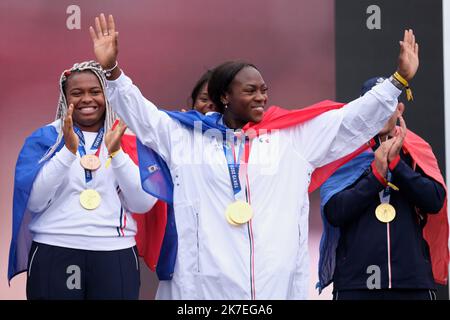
(30, 162)
(157, 181)
(435, 232)
(27, 167)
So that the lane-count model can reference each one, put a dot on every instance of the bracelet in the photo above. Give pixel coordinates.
(109, 71)
(396, 77)
(399, 78)
(396, 83)
(110, 156)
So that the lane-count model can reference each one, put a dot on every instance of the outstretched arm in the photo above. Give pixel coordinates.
(337, 133)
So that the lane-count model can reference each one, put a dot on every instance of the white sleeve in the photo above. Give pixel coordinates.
(338, 133)
(153, 127)
(127, 177)
(49, 179)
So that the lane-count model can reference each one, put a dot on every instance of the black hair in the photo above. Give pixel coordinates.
(199, 85)
(221, 78)
(68, 74)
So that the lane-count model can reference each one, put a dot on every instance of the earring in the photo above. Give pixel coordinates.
(225, 106)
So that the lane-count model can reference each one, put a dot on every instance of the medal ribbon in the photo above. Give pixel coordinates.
(237, 176)
(385, 195)
(237, 167)
(95, 146)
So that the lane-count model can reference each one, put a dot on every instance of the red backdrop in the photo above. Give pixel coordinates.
(164, 46)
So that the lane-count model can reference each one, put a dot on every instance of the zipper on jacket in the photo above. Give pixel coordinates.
(198, 243)
(389, 254)
(252, 246)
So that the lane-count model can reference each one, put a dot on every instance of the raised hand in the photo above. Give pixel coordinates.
(105, 41)
(113, 137)
(70, 138)
(381, 156)
(400, 137)
(408, 59)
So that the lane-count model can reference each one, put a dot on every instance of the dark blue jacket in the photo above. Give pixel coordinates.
(364, 241)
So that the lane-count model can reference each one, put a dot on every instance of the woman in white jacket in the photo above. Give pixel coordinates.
(82, 195)
(243, 231)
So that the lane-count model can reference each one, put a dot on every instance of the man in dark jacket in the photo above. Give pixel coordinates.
(375, 208)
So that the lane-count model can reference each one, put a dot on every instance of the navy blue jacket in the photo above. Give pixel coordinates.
(400, 245)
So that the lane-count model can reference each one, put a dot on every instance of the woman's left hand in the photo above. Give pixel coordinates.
(113, 137)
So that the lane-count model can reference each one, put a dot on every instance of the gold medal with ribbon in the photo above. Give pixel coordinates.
(385, 212)
(239, 212)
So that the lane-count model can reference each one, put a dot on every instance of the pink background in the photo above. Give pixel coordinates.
(164, 46)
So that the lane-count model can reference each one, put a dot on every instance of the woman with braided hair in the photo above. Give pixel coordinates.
(74, 193)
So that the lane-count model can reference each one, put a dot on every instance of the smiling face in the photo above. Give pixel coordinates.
(202, 102)
(84, 91)
(246, 98)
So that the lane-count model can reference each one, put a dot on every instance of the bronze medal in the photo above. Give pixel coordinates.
(90, 162)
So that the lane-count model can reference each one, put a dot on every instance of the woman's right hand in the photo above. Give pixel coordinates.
(70, 137)
(104, 38)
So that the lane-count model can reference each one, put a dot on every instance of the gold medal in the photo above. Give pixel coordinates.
(230, 221)
(90, 162)
(239, 212)
(385, 212)
(90, 199)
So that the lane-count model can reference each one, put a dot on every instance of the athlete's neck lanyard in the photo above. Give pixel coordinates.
(95, 146)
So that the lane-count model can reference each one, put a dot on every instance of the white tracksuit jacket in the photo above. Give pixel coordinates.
(267, 258)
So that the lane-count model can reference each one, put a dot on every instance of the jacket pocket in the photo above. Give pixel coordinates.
(33, 255)
(189, 236)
